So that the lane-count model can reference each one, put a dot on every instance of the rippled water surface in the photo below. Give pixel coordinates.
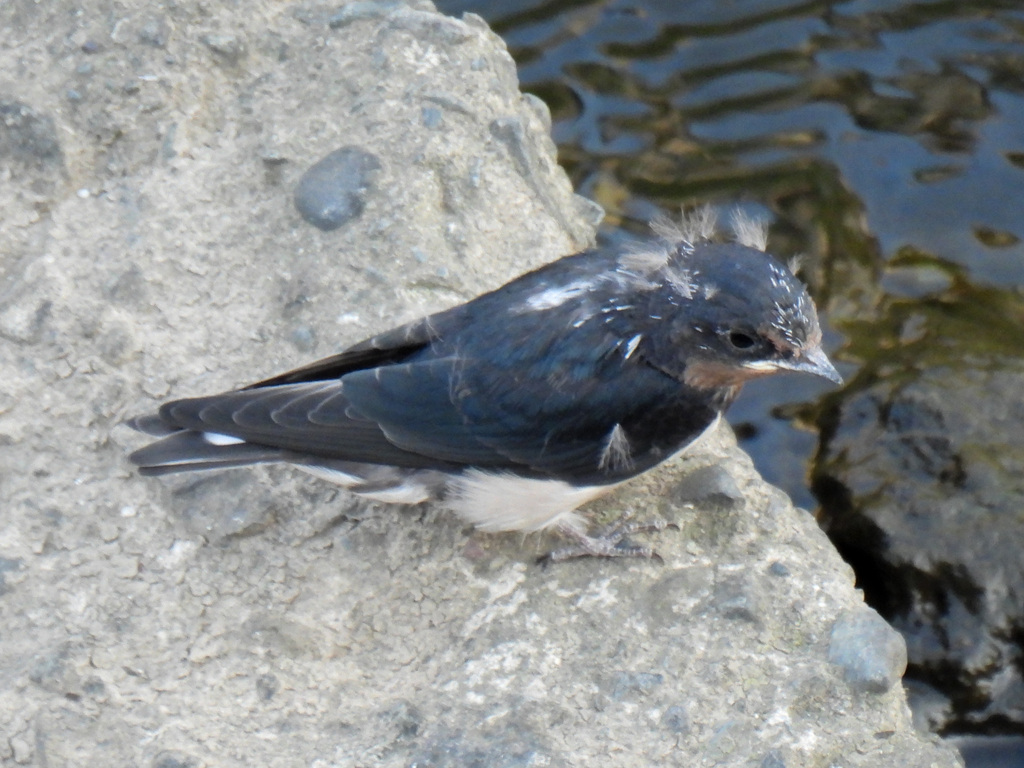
(885, 140)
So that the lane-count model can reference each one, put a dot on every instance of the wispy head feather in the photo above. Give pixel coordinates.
(644, 259)
(695, 227)
(751, 231)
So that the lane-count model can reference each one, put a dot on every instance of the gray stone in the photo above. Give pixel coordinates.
(8, 566)
(334, 190)
(220, 506)
(23, 317)
(634, 685)
(871, 654)
(28, 135)
(275, 616)
(924, 479)
(362, 10)
(708, 485)
(229, 48)
(154, 32)
(267, 685)
(737, 599)
(675, 719)
(432, 117)
(175, 759)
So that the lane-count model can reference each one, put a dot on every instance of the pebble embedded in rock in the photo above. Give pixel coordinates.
(431, 117)
(708, 485)
(155, 32)
(28, 134)
(304, 338)
(359, 11)
(267, 686)
(334, 190)
(872, 655)
(229, 48)
(674, 719)
(737, 598)
(174, 759)
(628, 685)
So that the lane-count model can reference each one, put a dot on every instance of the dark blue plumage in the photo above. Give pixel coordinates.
(569, 380)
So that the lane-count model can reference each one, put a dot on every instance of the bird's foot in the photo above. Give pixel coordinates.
(611, 542)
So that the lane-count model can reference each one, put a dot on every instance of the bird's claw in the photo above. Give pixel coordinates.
(611, 542)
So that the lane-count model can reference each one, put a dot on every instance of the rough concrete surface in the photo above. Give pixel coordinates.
(150, 247)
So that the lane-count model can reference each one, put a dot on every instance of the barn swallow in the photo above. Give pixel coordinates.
(524, 403)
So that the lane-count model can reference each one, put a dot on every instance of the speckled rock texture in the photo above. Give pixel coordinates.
(150, 248)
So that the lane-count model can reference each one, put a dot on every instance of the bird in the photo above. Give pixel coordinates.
(519, 406)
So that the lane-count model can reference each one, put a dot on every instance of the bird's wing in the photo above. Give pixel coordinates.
(387, 348)
(315, 419)
(436, 413)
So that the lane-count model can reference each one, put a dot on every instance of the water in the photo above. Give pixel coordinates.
(884, 138)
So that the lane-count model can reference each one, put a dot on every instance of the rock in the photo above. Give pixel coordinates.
(921, 481)
(275, 616)
(871, 654)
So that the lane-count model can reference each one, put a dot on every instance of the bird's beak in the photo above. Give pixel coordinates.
(813, 360)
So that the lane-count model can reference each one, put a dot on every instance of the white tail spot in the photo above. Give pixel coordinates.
(218, 439)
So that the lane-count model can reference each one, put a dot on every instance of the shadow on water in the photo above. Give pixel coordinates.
(885, 139)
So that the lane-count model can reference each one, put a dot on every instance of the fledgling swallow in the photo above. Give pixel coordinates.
(519, 406)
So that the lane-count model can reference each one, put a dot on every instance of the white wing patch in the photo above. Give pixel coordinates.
(632, 344)
(554, 297)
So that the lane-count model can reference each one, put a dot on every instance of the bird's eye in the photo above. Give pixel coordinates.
(741, 340)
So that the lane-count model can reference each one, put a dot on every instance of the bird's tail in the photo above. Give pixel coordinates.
(187, 450)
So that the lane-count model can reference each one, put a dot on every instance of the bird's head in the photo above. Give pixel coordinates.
(729, 313)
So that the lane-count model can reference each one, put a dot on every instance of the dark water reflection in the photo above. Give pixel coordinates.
(886, 141)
